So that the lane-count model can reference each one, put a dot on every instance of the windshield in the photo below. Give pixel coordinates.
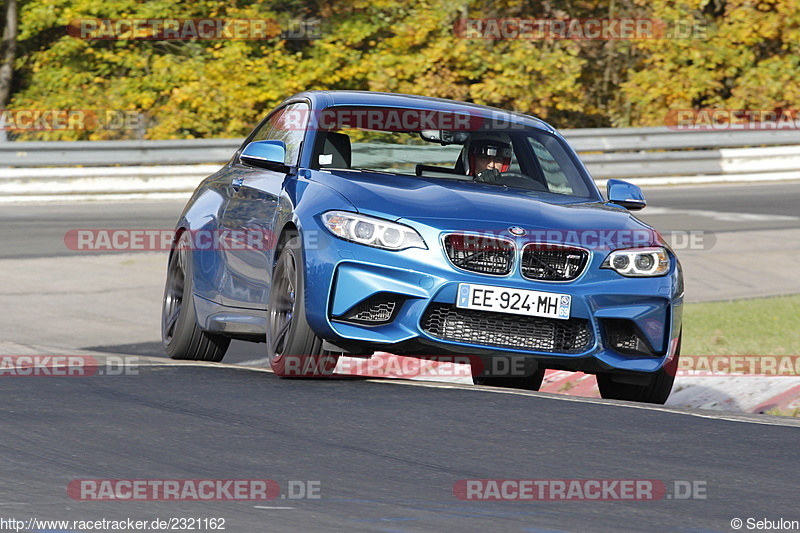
(521, 158)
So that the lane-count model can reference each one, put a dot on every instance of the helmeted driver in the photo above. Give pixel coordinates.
(487, 157)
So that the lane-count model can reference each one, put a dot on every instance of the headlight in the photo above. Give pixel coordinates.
(372, 231)
(638, 262)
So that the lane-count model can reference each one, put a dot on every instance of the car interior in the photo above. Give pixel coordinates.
(336, 151)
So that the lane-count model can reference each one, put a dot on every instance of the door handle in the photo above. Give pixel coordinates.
(236, 183)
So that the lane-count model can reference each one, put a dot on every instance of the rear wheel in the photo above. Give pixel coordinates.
(657, 391)
(292, 347)
(181, 337)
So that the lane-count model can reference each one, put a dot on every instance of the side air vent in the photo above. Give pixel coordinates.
(375, 310)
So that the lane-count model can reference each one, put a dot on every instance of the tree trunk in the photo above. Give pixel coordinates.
(9, 52)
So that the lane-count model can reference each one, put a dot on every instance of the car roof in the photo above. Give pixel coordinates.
(324, 99)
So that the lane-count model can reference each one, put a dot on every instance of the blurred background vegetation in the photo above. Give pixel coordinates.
(747, 58)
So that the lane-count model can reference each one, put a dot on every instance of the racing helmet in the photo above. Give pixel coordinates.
(489, 145)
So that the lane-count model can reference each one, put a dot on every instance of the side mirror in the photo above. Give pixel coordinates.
(264, 154)
(625, 194)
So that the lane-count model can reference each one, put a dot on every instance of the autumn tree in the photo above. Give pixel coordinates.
(220, 88)
(741, 55)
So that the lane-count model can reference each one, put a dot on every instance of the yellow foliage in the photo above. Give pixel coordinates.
(746, 57)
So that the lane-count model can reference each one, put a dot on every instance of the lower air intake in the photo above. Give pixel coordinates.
(507, 331)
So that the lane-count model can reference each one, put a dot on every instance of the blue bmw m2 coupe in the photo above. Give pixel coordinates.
(354, 222)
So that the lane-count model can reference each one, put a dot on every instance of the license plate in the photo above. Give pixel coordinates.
(513, 301)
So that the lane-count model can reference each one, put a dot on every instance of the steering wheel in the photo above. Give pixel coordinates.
(510, 179)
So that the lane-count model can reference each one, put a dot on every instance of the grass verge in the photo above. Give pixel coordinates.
(764, 326)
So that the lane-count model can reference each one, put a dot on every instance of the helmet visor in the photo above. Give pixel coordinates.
(500, 152)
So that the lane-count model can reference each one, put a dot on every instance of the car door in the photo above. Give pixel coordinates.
(249, 217)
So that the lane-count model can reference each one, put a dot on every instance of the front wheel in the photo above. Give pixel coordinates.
(292, 347)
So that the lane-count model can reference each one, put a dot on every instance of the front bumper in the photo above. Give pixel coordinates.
(383, 300)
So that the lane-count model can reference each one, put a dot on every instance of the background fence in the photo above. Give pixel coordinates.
(660, 155)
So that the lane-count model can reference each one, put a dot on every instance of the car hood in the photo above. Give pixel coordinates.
(472, 204)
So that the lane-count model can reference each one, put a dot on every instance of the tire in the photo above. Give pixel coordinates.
(532, 382)
(657, 391)
(294, 351)
(181, 337)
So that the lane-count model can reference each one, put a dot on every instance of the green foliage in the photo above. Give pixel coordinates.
(221, 88)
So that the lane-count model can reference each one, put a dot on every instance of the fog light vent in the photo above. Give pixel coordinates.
(377, 309)
(625, 337)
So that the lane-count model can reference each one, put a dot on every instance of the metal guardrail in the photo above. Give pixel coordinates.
(199, 151)
(38, 168)
(662, 138)
(108, 153)
(694, 162)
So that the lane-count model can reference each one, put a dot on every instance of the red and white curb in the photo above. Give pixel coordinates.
(744, 394)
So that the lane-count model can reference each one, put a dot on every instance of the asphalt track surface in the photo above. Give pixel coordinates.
(38, 230)
(386, 454)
